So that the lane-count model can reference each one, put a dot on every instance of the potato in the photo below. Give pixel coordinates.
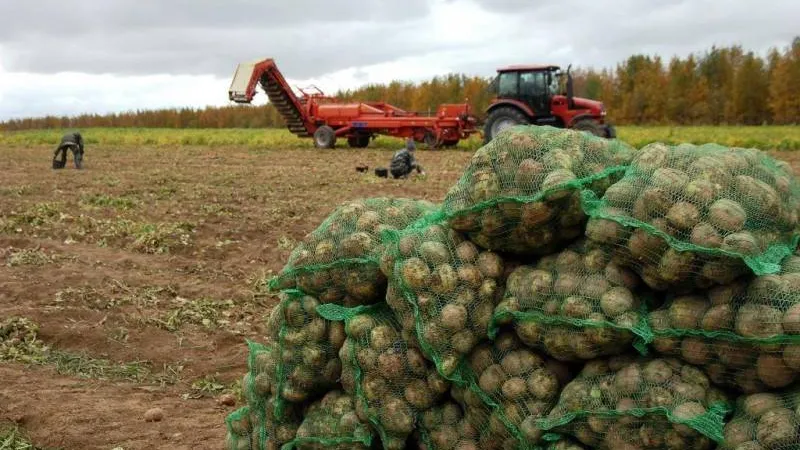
(776, 427)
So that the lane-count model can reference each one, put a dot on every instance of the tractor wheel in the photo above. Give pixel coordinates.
(430, 140)
(500, 119)
(324, 137)
(590, 126)
(361, 141)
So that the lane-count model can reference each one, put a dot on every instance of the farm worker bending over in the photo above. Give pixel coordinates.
(403, 162)
(72, 141)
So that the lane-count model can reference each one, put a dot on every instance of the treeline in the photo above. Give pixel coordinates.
(720, 86)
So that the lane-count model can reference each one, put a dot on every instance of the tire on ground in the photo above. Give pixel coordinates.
(324, 137)
(504, 115)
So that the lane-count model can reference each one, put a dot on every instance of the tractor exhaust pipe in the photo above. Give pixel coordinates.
(570, 89)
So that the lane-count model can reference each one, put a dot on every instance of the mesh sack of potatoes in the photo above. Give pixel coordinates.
(764, 421)
(444, 288)
(307, 364)
(513, 387)
(745, 335)
(576, 305)
(689, 217)
(258, 383)
(630, 402)
(445, 427)
(260, 387)
(331, 423)
(521, 192)
(245, 430)
(338, 262)
(389, 377)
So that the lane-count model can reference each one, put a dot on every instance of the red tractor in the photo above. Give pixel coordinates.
(531, 94)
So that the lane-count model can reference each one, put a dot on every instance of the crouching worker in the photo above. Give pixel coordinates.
(73, 142)
(404, 162)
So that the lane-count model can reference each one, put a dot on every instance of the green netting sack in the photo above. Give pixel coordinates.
(338, 262)
(446, 288)
(245, 430)
(258, 382)
(764, 421)
(690, 217)
(308, 363)
(636, 402)
(281, 429)
(390, 378)
(576, 305)
(565, 443)
(745, 335)
(331, 423)
(514, 387)
(520, 193)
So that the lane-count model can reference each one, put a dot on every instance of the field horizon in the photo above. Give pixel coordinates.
(765, 137)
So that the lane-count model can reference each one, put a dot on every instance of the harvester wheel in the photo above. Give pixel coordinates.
(324, 137)
(361, 141)
(502, 118)
(590, 126)
(430, 140)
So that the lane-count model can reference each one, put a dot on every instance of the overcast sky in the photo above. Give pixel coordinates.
(75, 56)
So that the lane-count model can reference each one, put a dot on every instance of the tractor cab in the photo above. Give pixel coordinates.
(533, 86)
(541, 95)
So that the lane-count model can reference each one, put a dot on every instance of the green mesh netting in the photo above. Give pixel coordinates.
(764, 421)
(635, 402)
(390, 378)
(745, 335)
(689, 217)
(565, 443)
(331, 423)
(513, 387)
(244, 430)
(446, 288)
(338, 262)
(308, 363)
(259, 381)
(576, 305)
(520, 193)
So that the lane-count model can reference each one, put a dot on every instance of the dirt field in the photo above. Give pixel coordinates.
(141, 272)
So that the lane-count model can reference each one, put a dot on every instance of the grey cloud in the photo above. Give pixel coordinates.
(134, 37)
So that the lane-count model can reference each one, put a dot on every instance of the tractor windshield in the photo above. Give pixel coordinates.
(555, 82)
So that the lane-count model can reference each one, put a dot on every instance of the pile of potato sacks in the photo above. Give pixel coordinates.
(570, 292)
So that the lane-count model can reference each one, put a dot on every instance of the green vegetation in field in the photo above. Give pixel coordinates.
(12, 437)
(210, 314)
(29, 257)
(763, 137)
(19, 342)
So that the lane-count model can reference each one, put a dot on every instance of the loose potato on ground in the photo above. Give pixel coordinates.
(520, 193)
(444, 291)
(384, 370)
(340, 261)
(575, 305)
(691, 217)
(744, 335)
(332, 423)
(764, 421)
(638, 402)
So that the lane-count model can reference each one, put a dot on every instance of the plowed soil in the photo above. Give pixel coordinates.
(141, 268)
